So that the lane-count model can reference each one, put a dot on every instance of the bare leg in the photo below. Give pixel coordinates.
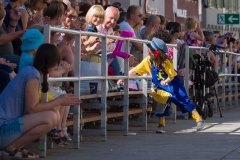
(59, 126)
(67, 55)
(64, 119)
(65, 115)
(35, 126)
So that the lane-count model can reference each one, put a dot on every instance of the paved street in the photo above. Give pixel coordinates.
(220, 140)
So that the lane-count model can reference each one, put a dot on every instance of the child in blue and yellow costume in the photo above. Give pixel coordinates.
(166, 87)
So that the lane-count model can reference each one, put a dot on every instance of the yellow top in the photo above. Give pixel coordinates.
(145, 67)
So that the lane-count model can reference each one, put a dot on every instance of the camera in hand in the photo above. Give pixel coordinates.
(214, 47)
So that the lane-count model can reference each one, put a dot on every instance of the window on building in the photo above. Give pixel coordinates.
(212, 3)
(226, 4)
(220, 4)
(236, 5)
(230, 5)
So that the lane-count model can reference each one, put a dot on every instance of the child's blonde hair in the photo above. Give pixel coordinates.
(73, 12)
(95, 10)
(191, 22)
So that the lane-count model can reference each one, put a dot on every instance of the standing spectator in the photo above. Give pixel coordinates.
(14, 24)
(191, 36)
(133, 50)
(133, 17)
(163, 22)
(84, 7)
(122, 17)
(153, 24)
(6, 47)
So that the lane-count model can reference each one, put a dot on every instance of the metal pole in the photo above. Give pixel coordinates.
(77, 114)
(186, 74)
(126, 91)
(104, 91)
(43, 139)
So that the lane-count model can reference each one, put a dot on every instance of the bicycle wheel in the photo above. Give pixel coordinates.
(204, 110)
(210, 109)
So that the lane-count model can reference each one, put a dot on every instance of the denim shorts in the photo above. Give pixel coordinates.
(11, 131)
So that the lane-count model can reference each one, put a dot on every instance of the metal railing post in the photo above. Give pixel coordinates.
(229, 80)
(186, 74)
(43, 139)
(126, 91)
(235, 81)
(223, 80)
(76, 109)
(174, 107)
(216, 84)
(144, 106)
(104, 84)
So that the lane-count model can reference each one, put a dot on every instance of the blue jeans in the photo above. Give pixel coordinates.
(117, 64)
(4, 79)
(13, 58)
(11, 131)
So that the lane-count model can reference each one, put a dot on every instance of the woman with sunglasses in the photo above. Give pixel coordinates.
(32, 12)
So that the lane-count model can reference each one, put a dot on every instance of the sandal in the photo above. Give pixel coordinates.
(11, 155)
(58, 141)
(64, 140)
(29, 153)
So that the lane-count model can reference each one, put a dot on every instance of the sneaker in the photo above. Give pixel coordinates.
(200, 125)
(53, 133)
(161, 129)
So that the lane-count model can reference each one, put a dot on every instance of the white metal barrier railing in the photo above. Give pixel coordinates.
(223, 75)
(104, 77)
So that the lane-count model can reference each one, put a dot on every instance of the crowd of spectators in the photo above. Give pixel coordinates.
(21, 46)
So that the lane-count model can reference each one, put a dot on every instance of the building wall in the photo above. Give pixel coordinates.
(158, 4)
(190, 7)
(210, 22)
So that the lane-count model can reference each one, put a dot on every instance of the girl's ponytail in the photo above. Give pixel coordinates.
(47, 57)
(45, 82)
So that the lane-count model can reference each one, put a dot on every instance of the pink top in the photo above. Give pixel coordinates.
(190, 41)
(103, 30)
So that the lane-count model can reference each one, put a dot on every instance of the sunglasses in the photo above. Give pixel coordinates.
(47, 3)
(139, 15)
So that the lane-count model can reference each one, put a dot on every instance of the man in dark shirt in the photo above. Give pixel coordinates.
(17, 43)
(6, 47)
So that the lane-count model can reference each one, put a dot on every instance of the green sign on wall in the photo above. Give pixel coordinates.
(228, 18)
